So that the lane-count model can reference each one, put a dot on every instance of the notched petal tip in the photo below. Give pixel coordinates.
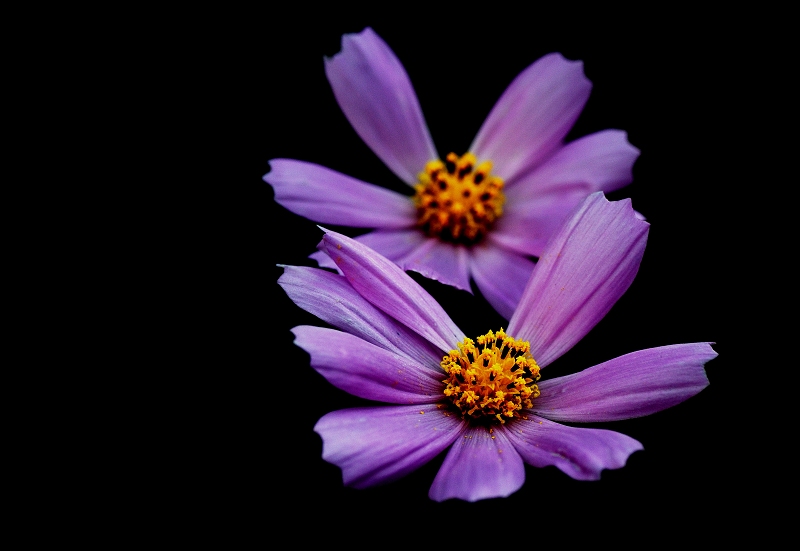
(623, 206)
(634, 150)
(534, 114)
(576, 64)
(376, 95)
(350, 40)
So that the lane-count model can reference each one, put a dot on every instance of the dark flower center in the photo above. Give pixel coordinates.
(457, 201)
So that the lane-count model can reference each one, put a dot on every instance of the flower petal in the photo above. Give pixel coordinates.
(443, 262)
(366, 370)
(590, 262)
(376, 96)
(528, 224)
(603, 161)
(332, 299)
(377, 445)
(632, 385)
(532, 116)
(387, 286)
(413, 250)
(479, 466)
(579, 452)
(500, 275)
(393, 244)
(324, 261)
(330, 197)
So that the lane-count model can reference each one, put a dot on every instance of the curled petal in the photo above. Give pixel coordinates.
(602, 161)
(532, 116)
(376, 96)
(633, 385)
(587, 265)
(330, 197)
(366, 370)
(332, 299)
(500, 275)
(387, 286)
(579, 452)
(479, 466)
(377, 445)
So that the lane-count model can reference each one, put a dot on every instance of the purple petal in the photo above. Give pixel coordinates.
(479, 466)
(602, 161)
(332, 299)
(579, 452)
(412, 250)
(630, 386)
(590, 262)
(324, 261)
(393, 244)
(528, 224)
(387, 286)
(327, 196)
(378, 445)
(443, 262)
(532, 116)
(376, 96)
(500, 276)
(366, 370)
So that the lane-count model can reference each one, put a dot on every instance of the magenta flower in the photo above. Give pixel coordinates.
(483, 398)
(479, 216)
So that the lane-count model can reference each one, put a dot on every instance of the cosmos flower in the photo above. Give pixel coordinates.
(483, 397)
(480, 216)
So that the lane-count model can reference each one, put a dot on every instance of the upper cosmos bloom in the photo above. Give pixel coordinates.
(481, 215)
(483, 397)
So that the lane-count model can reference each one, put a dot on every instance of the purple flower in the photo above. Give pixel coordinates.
(483, 398)
(479, 216)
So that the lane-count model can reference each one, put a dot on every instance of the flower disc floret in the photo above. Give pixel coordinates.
(456, 200)
(492, 378)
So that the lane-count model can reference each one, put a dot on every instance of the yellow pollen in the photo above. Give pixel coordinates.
(456, 200)
(492, 378)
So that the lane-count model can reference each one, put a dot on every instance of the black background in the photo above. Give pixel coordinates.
(665, 78)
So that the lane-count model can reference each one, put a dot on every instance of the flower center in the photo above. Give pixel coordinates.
(457, 201)
(493, 381)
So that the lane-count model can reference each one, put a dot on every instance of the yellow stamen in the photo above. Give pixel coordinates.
(457, 201)
(492, 381)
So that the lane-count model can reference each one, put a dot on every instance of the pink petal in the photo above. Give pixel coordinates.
(327, 196)
(602, 161)
(532, 116)
(332, 299)
(388, 287)
(376, 96)
(590, 262)
(528, 224)
(393, 244)
(376, 445)
(480, 465)
(633, 385)
(579, 452)
(413, 250)
(324, 261)
(366, 370)
(500, 275)
(440, 261)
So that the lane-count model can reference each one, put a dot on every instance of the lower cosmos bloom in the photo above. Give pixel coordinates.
(484, 397)
(478, 216)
